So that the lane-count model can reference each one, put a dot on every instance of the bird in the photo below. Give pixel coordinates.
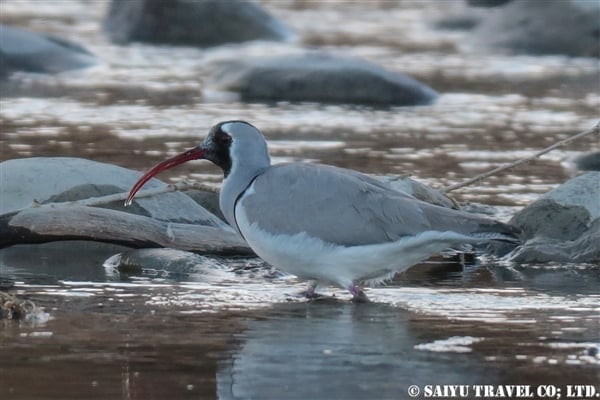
(322, 223)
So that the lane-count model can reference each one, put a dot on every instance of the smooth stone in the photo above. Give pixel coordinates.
(177, 264)
(458, 22)
(561, 27)
(22, 50)
(208, 199)
(547, 218)
(165, 261)
(191, 23)
(60, 179)
(69, 221)
(487, 3)
(170, 219)
(323, 78)
(588, 161)
(563, 225)
(583, 191)
(584, 249)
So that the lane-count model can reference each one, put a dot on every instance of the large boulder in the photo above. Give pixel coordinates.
(323, 78)
(191, 23)
(564, 224)
(164, 219)
(61, 179)
(568, 27)
(22, 50)
(588, 161)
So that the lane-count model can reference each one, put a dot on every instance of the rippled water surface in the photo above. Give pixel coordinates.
(240, 331)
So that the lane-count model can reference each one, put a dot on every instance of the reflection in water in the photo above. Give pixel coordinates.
(49, 262)
(338, 350)
(242, 333)
(331, 349)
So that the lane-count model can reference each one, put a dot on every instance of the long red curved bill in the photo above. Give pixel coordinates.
(192, 154)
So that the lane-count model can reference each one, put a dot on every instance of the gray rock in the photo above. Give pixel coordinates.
(487, 3)
(323, 78)
(585, 248)
(564, 224)
(162, 220)
(568, 27)
(547, 218)
(208, 199)
(588, 161)
(583, 191)
(458, 22)
(184, 265)
(161, 261)
(58, 179)
(22, 50)
(190, 22)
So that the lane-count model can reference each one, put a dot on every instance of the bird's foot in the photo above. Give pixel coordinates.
(358, 296)
(310, 292)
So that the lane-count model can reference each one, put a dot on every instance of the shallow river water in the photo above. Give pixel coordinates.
(239, 331)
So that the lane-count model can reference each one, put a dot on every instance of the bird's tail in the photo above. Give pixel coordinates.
(498, 236)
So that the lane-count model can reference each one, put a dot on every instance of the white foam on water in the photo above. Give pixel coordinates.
(454, 344)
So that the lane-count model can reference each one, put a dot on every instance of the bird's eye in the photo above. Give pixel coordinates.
(224, 139)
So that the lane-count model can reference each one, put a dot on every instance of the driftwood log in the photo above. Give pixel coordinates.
(77, 222)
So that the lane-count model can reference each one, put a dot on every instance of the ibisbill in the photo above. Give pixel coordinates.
(322, 223)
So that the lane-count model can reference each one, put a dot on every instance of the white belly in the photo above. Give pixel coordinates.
(312, 258)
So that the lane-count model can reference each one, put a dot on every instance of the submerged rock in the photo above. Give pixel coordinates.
(191, 23)
(564, 224)
(178, 264)
(14, 308)
(160, 261)
(568, 27)
(323, 78)
(585, 248)
(22, 50)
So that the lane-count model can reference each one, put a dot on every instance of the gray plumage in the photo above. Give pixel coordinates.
(347, 208)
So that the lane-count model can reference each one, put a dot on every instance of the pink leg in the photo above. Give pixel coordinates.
(310, 293)
(358, 296)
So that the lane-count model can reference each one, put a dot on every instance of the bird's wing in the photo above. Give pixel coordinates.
(344, 207)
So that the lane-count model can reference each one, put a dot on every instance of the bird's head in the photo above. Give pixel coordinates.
(229, 145)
